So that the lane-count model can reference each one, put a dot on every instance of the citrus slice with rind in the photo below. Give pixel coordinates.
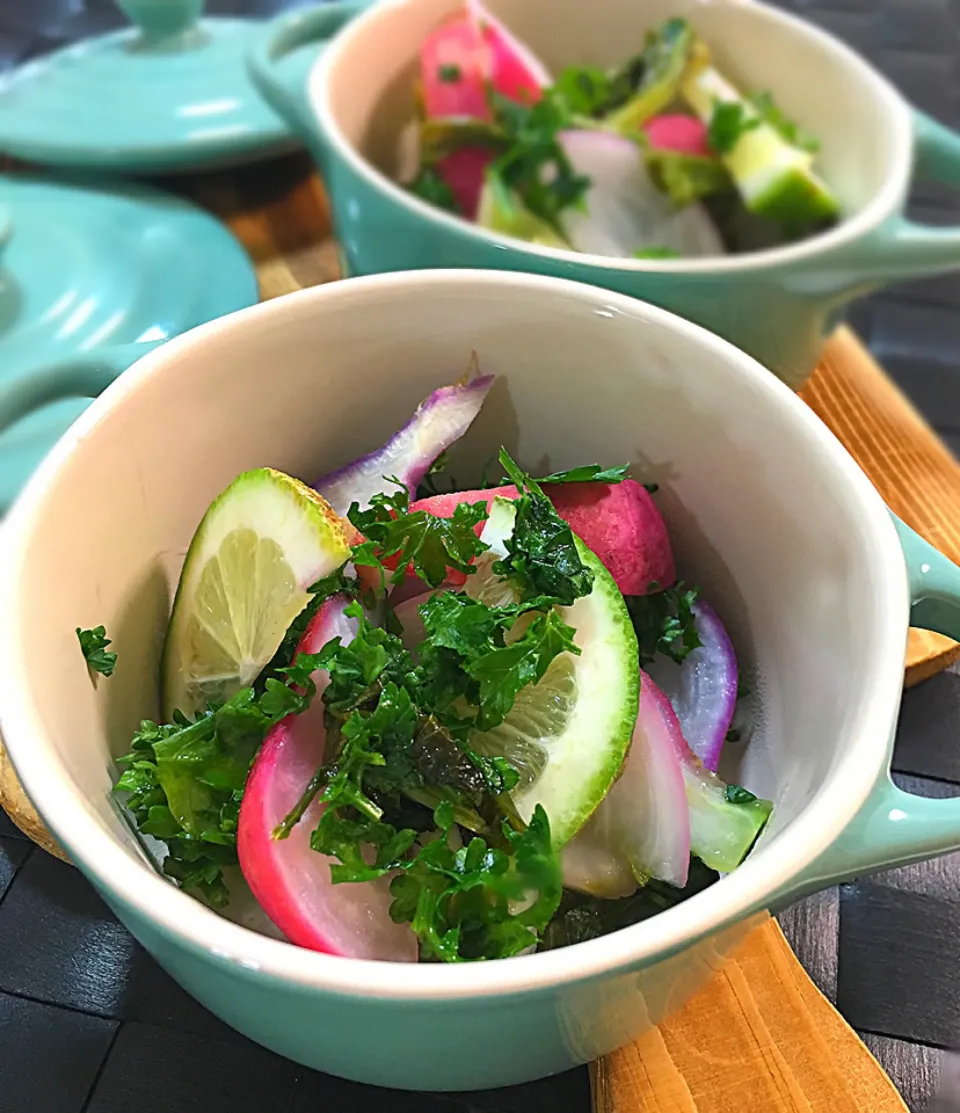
(260, 545)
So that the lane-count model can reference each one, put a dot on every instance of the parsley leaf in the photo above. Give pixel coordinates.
(542, 555)
(665, 623)
(686, 178)
(431, 545)
(735, 794)
(728, 122)
(588, 473)
(534, 165)
(430, 187)
(93, 646)
(449, 74)
(788, 130)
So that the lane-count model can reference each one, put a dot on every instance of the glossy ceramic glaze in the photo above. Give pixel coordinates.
(778, 305)
(88, 273)
(767, 512)
(169, 93)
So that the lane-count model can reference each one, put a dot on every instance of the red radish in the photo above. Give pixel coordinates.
(463, 171)
(441, 419)
(642, 827)
(515, 71)
(619, 522)
(290, 881)
(676, 132)
(455, 65)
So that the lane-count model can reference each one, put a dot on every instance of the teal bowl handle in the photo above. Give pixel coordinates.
(895, 827)
(285, 90)
(81, 376)
(902, 248)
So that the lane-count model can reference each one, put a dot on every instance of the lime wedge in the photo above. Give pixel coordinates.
(260, 545)
(569, 734)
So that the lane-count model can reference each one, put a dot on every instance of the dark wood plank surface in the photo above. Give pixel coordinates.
(89, 1024)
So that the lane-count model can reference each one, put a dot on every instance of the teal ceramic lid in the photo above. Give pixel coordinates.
(170, 92)
(90, 273)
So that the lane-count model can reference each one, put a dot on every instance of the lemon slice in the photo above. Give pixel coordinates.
(260, 545)
(568, 735)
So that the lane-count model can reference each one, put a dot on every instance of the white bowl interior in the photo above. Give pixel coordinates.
(858, 118)
(766, 512)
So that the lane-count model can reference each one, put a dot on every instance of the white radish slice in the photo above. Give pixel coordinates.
(703, 690)
(625, 212)
(291, 881)
(440, 420)
(642, 827)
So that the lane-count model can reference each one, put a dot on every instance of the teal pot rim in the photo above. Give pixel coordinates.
(813, 846)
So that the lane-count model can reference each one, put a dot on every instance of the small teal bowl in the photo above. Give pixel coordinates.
(778, 305)
(766, 511)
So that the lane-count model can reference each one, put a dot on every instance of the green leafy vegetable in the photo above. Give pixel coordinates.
(589, 473)
(93, 646)
(665, 623)
(788, 130)
(533, 165)
(430, 545)
(737, 795)
(728, 122)
(656, 253)
(430, 187)
(660, 70)
(542, 555)
(449, 74)
(687, 178)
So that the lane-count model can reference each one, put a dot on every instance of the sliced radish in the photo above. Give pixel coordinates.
(625, 212)
(703, 690)
(618, 522)
(675, 132)
(291, 881)
(439, 421)
(722, 831)
(515, 71)
(455, 66)
(642, 828)
(464, 171)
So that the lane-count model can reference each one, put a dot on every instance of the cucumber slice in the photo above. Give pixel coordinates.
(260, 545)
(569, 734)
(775, 179)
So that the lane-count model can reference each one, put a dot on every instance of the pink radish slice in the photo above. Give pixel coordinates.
(624, 211)
(619, 522)
(722, 831)
(642, 828)
(439, 421)
(703, 690)
(516, 72)
(676, 132)
(290, 881)
(455, 65)
(463, 171)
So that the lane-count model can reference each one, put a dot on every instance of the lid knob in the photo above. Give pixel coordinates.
(163, 23)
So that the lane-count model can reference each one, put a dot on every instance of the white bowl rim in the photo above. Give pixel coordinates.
(885, 203)
(73, 821)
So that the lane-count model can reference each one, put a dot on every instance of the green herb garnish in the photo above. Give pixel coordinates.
(449, 74)
(93, 646)
(665, 623)
(588, 473)
(430, 187)
(729, 121)
(735, 794)
(787, 129)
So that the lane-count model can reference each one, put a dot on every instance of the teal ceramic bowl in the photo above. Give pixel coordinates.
(767, 512)
(778, 305)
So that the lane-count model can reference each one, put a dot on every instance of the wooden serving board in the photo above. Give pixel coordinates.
(759, 1037)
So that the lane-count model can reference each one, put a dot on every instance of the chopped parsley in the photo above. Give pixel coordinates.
(449, 74)
(588, 473)
(729, 121)
(430, 187)
(665, 623)
(93, 646)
